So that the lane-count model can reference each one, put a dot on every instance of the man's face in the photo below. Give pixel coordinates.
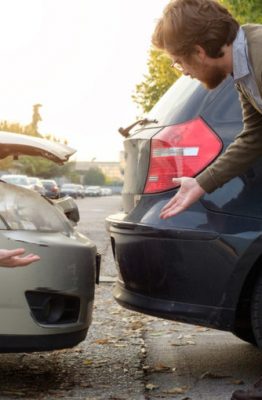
(206, 71)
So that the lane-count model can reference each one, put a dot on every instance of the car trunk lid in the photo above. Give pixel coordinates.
(14, 144)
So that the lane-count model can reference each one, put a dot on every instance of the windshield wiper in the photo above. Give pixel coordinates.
(125, 131)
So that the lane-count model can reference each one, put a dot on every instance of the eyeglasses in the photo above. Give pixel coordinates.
(177, 66)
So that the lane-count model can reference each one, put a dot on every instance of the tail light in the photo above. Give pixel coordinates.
(180, 150)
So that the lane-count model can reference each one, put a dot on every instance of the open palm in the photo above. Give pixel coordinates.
(189, 192)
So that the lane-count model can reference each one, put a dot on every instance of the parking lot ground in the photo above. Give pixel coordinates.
(192, 362)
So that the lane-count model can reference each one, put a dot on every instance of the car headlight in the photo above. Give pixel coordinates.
(24, 209)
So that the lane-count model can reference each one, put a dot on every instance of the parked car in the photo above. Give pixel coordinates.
(36, 184)
(106, 191)
(69, 189)
(19, 180)
(48, 304)
(80, 191)
(51, 188)
(202, 266)
(93, 191)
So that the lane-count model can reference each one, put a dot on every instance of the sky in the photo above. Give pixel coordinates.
(80, 59)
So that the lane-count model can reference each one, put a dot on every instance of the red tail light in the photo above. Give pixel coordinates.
(180, 150)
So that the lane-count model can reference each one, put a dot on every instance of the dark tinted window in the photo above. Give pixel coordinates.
(188, 98)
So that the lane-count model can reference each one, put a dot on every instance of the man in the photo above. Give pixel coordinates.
(205, 42)
(16, 258)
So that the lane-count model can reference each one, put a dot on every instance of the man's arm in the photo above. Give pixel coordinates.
(238, 157)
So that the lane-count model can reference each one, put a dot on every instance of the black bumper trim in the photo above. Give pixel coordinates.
(196, 314)
(31, 343)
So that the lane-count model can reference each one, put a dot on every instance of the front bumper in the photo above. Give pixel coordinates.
(52, 299)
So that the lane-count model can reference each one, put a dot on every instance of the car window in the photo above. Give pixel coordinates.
(21, 209)
(16, 180)
(170, 109)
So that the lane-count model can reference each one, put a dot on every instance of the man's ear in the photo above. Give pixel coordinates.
(200, 52)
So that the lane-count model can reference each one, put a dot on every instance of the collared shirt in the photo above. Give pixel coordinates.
(242, 69)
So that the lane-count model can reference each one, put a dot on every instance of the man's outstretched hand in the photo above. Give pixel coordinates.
(189, 192)
(16, 258)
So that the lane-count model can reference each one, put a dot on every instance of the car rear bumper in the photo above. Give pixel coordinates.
(214, 317)
(189, 275)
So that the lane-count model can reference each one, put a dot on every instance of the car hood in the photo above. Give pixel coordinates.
(16, 144)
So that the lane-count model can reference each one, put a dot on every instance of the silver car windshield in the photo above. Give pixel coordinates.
(24, 209)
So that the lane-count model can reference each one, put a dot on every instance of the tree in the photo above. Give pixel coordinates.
(160, 77)
(32, 128)
(38, 166)
(245, 11)
(94, 176)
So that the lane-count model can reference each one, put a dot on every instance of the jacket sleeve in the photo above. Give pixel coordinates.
(240, 154)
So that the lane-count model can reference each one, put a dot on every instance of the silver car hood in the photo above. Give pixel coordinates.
(16, 144)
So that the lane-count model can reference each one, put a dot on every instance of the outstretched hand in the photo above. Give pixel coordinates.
(16, 258)
(189, 192)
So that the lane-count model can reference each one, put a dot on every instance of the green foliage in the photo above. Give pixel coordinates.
(35, 166)
(245, 11)
(159, 78)
(38, 166)
(94, 176)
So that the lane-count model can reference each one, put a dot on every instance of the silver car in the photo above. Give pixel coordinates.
(48, 304)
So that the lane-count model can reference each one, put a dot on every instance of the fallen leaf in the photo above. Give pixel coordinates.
(102, 341)
(85, 385)
(160, 368)
(176, 390)
(157, 333)
(87, 362)
(151, 386)
(188, 342)
(213, 375)
(202, 329)
(136, 325)
(237, 382)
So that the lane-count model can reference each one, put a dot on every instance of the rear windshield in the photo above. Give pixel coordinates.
(170, 109)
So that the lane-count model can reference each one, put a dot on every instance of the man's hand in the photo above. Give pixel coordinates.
(189, 192)
(13, 258)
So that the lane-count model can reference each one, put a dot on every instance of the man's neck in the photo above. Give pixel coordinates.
(227, 60)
